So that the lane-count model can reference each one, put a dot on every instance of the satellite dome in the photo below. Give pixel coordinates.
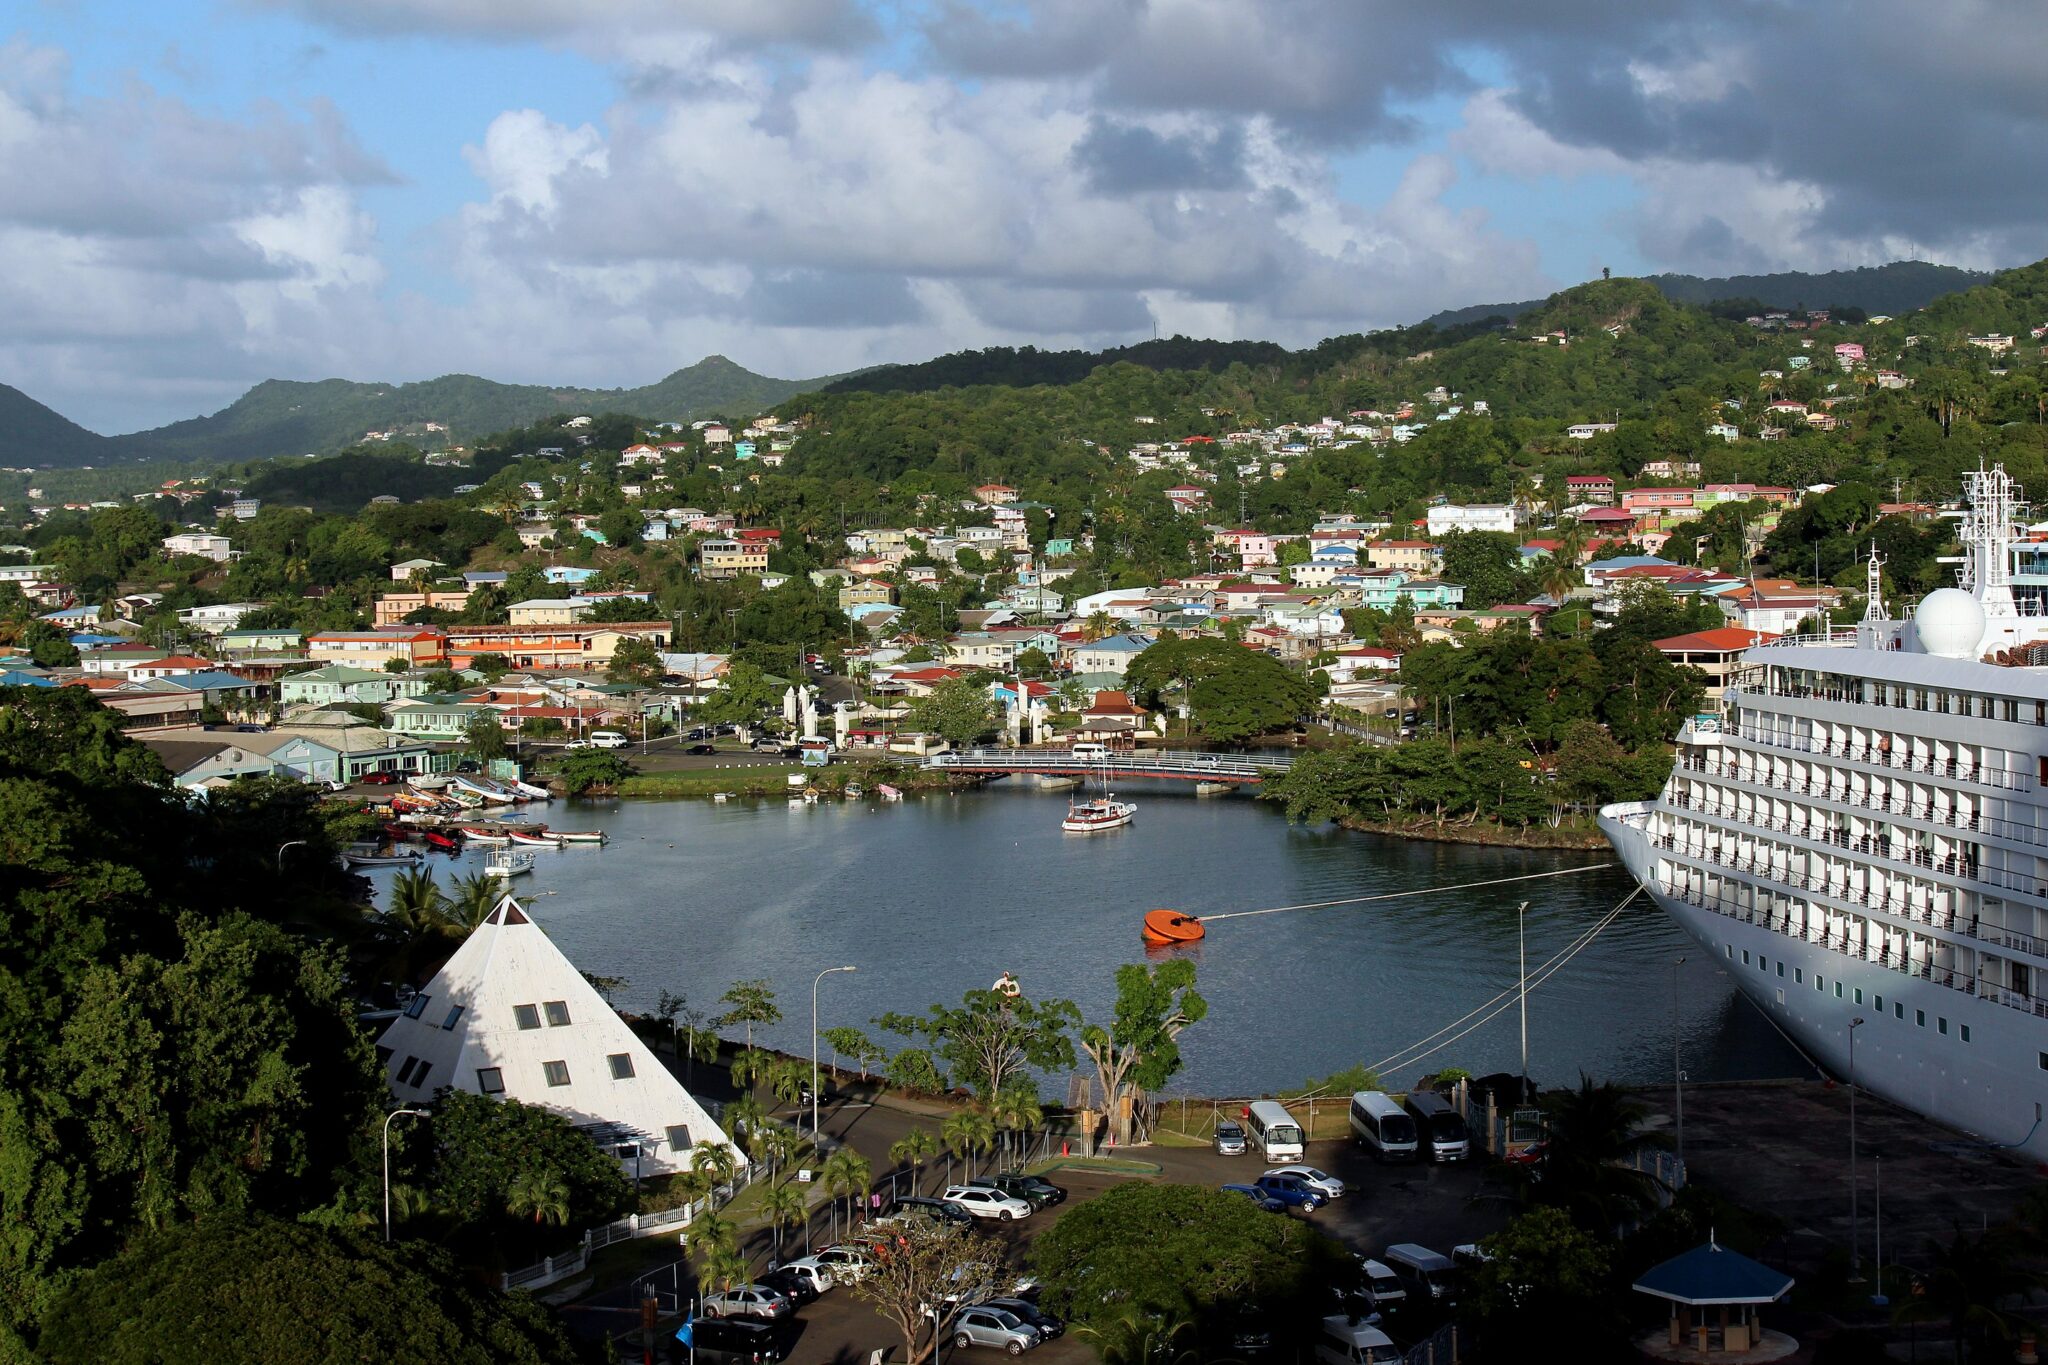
(1950, 623)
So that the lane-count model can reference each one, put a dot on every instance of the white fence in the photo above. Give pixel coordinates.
(554, 1269)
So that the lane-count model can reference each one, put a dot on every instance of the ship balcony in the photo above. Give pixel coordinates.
(1951, 865)
(1846, 944)
(1890, 806)
(1701, 731)
(1949, 770)
(1898, 902)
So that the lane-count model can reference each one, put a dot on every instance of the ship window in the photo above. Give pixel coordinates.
(2044, 1060)
(1898, 1010)
(1879, 1000)
(1819, 982)
(1859, 995)
(1838, 991)
(1798, 974)
(1745, 957)
(1730, 949)
(1920, 1018)
(1966, 1032)
(1781, 968)
(1941, 1026)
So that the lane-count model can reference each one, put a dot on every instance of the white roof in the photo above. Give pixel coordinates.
(508, 963)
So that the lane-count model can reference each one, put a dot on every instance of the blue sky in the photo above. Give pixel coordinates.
(196, 196)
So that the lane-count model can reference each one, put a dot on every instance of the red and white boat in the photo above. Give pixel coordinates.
(485, 837)
(1106, 812)
(537, 839)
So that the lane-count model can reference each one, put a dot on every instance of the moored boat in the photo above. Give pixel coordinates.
(889, 793)
(447, 843)
(1089, 817)
(485, 837)
(535, 839)
(381, 859)
(508, 863)
(577, 836)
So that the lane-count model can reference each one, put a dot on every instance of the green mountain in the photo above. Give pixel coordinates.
(1899, 287)
(31, 434)
(287, 417)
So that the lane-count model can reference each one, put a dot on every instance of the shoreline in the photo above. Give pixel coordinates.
(771, 780)
(1566, 839)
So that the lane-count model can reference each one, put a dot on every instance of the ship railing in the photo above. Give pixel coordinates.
(1836, 637)
(1836, 888)
(1949, 865)
(2013, 999)
(1880, 756)
(1974, 821)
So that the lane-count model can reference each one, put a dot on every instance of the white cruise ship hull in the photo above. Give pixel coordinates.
(1910, 1047)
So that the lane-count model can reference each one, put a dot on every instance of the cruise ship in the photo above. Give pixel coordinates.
(1859, 837)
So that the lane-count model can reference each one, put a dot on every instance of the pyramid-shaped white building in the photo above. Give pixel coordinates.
(510, 1015)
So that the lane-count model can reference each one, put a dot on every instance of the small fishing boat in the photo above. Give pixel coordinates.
(854, 792)
(529, 790)
(381, 859)
(508, 863)
(401, 833)
(532, 839)
(720, 798)
(445, 842)
(485, 837)
(1090, 817)
(577, 836)
(889, 793)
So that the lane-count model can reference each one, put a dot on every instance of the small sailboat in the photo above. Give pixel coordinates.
(1099, 813)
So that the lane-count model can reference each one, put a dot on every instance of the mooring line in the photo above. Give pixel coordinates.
(1396, 895)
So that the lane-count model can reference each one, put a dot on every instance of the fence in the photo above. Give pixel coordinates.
(1438, 1348)
(553, 1269)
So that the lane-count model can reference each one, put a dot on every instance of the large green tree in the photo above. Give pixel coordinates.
(990, 1038)
(957, 710)
(1139, 1048)
(237, 1290)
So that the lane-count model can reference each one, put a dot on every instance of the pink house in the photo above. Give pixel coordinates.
(1641, 500)
(1849, 353)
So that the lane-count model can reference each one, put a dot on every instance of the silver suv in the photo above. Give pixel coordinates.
(985, 1326)
(1229, 1138)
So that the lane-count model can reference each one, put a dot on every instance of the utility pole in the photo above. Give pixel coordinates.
(1522, 950)
(1855, 1212)
(1677, 1071)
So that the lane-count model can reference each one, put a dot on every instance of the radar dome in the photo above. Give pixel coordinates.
(1950, 623)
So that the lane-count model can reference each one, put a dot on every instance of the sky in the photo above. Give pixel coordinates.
(196, 195)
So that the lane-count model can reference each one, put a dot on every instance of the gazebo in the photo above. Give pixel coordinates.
(1712, 1276)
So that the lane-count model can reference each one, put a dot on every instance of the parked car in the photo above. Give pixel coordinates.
(737, 1339)
(982, 1326)
(1324, 1184)
(700, 749)
(1257, 1196)
(469, 765)
(920, 1207)
(849, 1265)
(379, 779)
(769, 746)
(1250, 1332)
(1229, 1138)
(1382, 1287)
(1030, 1313)
(1036, 1191)
(811, 1271)
(1292, 1191)
(577, 744)
(798, 1288)
(983, 1202)
(748, 1301)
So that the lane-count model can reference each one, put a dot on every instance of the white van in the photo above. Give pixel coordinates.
(1382, 1126)
(1275, 1130)
(1090, 752)
(1346, 1342)
(608, 739)
(1429, 1276)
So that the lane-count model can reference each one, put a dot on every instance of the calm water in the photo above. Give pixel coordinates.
(940, 894)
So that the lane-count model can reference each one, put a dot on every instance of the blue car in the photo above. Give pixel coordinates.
(1292, 1191)
(1257, 1196)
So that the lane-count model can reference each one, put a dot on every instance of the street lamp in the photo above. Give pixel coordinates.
(1677, 1071)
(815, 1131)
(289, 843)
(1855, 1212)
(415, 1113)
(1522, 950)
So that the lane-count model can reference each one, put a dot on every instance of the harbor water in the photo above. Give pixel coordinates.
(943, 893)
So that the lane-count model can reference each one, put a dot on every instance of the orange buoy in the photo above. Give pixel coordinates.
(1171, 926)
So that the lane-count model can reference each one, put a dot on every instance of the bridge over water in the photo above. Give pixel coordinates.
(1188, 765)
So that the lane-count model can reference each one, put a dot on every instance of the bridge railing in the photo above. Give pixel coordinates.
(1143, 761)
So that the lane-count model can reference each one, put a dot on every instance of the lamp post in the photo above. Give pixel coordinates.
(1522, 951)
(815, 1132)
(289, 843)
(415, 1113)
(1677, 1069)
(1855, 1211)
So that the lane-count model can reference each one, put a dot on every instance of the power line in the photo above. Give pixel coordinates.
(1397, 895)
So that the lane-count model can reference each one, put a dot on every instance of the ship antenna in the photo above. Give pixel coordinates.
(1873, 587)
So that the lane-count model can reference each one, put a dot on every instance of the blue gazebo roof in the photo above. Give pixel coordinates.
(1712, 1274)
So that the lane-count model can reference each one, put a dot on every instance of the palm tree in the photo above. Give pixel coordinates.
(543, 1194)
(725, 1268)
(475, 896)
(1134, 1337)
(693, 1185)
(711, 1233)
(785, 1208)
(788, 1080)
(415, 921)
(716, 1160)
(967, 1132)
(749, 1065)
(1969, 1280)
(913, 1149)
(1015, 1110)
(1595, 1137)
(774, 1145)
(697, 1044)
(745, 1116)
(845, 1172)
